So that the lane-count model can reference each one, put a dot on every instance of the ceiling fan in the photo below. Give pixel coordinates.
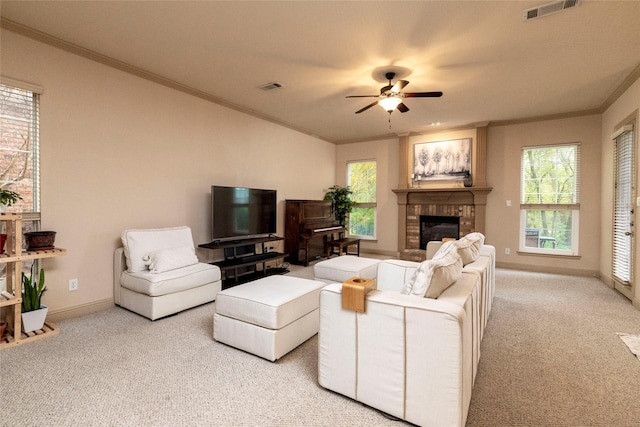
(392, 97)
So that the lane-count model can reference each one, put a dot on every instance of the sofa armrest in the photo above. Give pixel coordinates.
(432, 248)
(392, 274)
(407, 356)
(119, 265)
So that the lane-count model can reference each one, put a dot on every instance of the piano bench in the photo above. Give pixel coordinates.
(343, 245)
(341, 269)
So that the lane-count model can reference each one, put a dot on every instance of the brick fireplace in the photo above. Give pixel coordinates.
(467, 204)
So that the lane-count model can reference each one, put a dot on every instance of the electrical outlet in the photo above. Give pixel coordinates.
(507, 251)
(73, 284)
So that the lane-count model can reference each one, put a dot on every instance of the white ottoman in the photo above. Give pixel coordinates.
(342, 268)
(268, 317)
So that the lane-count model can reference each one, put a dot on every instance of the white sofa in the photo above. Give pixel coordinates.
(412, 357)
(157, 273)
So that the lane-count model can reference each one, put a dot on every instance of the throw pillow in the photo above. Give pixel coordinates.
(140, 242)
(471, 243)
(432, 277)
(468, 247)
(170, 259)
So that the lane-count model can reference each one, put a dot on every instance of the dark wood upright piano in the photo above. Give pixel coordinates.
(308, 225)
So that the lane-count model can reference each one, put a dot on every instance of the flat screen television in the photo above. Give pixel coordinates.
(239, 212)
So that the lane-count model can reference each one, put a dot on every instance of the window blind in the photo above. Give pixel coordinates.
(623, 206)
(550, 176)
(19, 142)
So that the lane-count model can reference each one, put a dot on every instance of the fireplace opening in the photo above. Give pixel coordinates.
(438, 227)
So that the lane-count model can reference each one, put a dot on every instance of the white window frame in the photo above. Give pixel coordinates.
(575, 222)
(574, 208)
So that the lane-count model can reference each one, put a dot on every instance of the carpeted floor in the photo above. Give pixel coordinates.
(550, 357)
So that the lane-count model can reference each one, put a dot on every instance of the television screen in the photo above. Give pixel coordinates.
(238, 212)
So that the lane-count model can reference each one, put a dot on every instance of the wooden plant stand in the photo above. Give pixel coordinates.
(12, 297)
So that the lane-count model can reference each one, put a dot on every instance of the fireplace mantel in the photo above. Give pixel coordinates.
(478, 194)
(471, 202)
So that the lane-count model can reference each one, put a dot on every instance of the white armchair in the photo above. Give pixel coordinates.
(157, 273)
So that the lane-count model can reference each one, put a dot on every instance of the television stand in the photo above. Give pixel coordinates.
(242, 258)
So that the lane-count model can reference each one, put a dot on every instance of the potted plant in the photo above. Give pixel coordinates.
(341, 203)
(33, 312)
(8, 198)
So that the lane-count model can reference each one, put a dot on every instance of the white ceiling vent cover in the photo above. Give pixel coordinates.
(548, 9)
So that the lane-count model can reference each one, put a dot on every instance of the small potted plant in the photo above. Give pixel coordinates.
(8, 198)
(33, 312)
(341, 203)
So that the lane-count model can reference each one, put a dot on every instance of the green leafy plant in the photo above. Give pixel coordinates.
(341, 203)
(32, 291)
(8, 197)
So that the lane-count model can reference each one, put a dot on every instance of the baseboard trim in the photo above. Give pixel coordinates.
(80, 310)
(547, 269)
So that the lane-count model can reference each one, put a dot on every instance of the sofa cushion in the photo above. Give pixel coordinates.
(170, 259)
(434, 276)
(138, 243)
(468, 247)
(156, 284)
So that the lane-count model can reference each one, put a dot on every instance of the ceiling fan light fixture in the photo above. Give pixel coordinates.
(389, 103)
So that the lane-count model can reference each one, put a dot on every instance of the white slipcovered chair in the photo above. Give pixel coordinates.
(157, 273)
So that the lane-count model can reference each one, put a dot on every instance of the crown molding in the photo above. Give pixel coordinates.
(591, 112)
(626, 84)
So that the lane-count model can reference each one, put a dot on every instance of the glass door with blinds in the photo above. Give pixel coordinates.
(624, 210)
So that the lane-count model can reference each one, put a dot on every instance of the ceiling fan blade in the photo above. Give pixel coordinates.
(385, 89)
(363, 96)
(423, 94)
(402, 108)
(367, 107)
(400, 84)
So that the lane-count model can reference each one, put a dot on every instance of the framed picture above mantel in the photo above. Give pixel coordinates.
(442, 160)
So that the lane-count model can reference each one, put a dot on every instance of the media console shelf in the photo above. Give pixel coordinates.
(242, 257)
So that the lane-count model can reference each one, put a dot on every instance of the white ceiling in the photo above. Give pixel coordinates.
(490, 64)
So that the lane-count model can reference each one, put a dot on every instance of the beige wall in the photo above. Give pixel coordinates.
(503, 173)
(121, 152)
(385, 152)
(504, 145)
(627, 105)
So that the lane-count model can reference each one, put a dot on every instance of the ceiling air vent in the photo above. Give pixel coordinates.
(270, 86)
(548, 9)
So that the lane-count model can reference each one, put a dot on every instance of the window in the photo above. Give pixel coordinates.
(622, 265)
(19, 145)
(361, 179)
(550, 199)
